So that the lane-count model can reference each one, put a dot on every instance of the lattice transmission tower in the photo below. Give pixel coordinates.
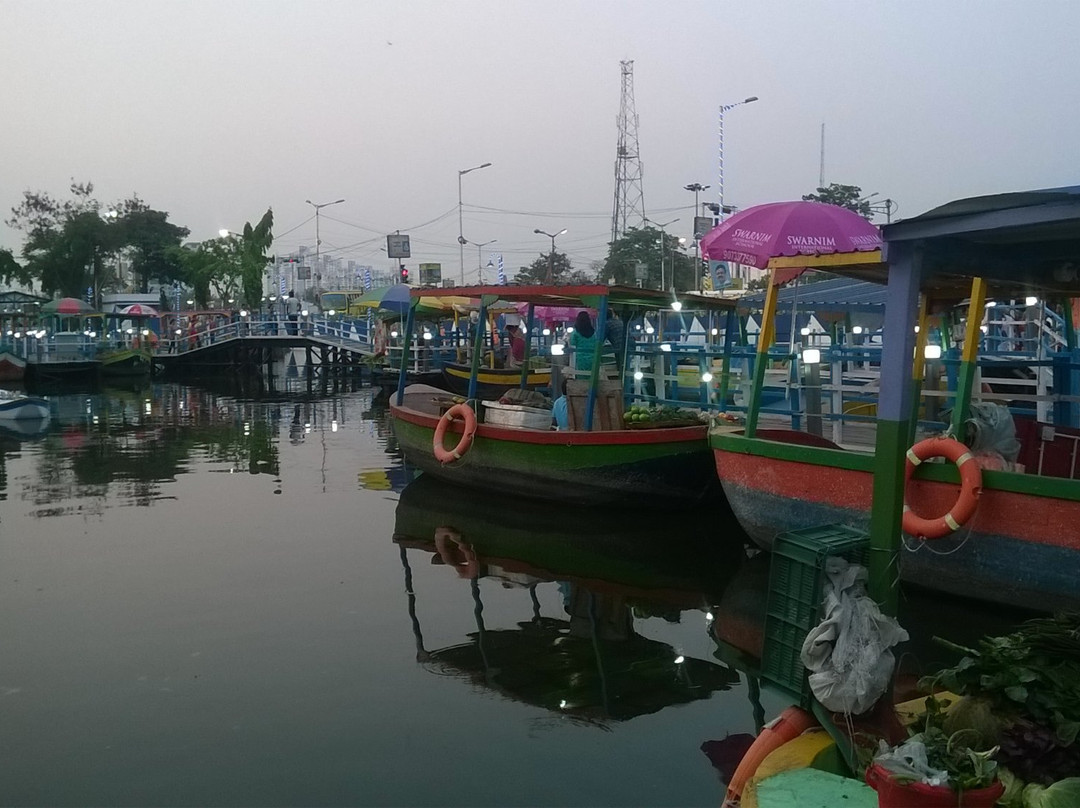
(629, 208)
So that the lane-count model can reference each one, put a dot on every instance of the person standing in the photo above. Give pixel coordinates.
(292, 312)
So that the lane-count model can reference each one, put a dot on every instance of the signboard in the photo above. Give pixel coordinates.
(303, 273)
(397, 246)
(702, 225)
(430, 274)
(641, 271)
(720, 273)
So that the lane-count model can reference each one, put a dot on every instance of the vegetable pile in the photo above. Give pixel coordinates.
(1022, 692)
(640, 415)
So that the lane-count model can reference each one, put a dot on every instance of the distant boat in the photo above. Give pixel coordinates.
(12, 366)
(15, 406)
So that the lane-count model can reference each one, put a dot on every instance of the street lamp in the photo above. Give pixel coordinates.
(460, 233)
(724, 108)
(551, 255)
(479, 258)
(663, 238)
(697, 188)
(318, 241)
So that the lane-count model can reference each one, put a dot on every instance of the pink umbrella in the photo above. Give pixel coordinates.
(776, 229)
(551, 313)
(139, 310)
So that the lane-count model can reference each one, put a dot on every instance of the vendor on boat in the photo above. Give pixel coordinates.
(582, 341)
(515, 353)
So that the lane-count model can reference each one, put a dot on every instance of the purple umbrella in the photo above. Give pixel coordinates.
(776, 229)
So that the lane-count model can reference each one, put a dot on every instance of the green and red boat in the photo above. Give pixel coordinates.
(1021, 546)
(602, 458)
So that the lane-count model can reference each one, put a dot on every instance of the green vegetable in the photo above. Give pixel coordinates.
(1062, 794)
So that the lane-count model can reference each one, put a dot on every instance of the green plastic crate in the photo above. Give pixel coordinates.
(796, 586)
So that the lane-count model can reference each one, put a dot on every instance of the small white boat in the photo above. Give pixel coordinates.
(15, 406)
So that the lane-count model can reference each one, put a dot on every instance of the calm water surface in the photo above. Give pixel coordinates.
(207, 600)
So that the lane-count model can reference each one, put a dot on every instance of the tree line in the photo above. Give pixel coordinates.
(75, 244)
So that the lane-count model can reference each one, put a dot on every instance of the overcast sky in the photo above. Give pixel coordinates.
(214, 111)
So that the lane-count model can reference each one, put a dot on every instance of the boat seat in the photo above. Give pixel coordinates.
(607, 410)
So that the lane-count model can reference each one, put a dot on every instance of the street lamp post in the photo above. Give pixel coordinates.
(460, 231)
(724, 108)
(551, 255)
(697, 188)
(663, 238)
(480, 259)
(318, 241)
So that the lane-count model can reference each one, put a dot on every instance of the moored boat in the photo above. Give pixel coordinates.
(12, 366)
(16, 406)
(600, 458)
(1019, 546)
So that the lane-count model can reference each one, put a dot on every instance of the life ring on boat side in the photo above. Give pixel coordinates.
(970, 488)
(457, 553)
(444, 455)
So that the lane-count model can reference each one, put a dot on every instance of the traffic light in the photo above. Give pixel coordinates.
(404, 273)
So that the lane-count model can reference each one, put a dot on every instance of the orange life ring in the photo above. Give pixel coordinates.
(442, 454)
(791, 723)
(970, 488)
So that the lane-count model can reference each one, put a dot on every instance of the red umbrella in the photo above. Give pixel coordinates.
(66, 305)
(139, 310)
(755, 235)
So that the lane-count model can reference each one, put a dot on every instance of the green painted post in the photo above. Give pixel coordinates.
(410, 320)
(893, 427)
(529, 321)
(478, 344)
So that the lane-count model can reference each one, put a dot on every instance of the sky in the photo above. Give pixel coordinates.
(216, 111)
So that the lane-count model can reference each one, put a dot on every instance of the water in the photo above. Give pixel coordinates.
(208, 600)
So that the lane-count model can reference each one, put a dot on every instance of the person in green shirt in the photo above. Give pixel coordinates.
(583, 341)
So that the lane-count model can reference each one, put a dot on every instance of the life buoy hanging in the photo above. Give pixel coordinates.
(444, 455)
(970, 488)
(457, 553)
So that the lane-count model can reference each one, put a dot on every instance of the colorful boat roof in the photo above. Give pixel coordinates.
(588, 294)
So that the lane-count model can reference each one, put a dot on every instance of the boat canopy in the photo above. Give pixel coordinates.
(586, 295)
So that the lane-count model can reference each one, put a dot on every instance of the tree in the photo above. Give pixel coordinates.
(152, 240)
(845, 196)
(12, 272)
(222, 267)
(657, 252)
(537, 271)
(254, 256)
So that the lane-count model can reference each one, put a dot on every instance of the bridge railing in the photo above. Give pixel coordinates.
(356, 332)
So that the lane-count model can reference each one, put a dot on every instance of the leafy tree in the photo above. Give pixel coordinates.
(846, 196)
(658, 252)
(537, 272)
(151, 240)
(12, 272)
(254, 256)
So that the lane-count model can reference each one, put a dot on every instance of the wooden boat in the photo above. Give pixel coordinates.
(127, 361)
(600, 459)
(1021, 546)
(492, 382)
(16, 406)
(12, 366)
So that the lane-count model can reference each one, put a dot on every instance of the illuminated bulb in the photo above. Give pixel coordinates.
(334, 425)
(811, 356)
(665, 347)
(332, 312)
(18, 334)
(680, 659)
(638, 375)
(932, 352)
(394, 334)
(428, 335)
(916, 329)
(1031, 301)
(562, 704)
(676, 305)
(304, 313)
(805, 332)
(706, 377)
(146, 332)
(709, 616)
(983, 328)
(130, 331)
(557, 349)
(546, 332)
(650, 330)
(857, 329)
(715, 331)
(243, 312)
(178, 332)
(569, 329)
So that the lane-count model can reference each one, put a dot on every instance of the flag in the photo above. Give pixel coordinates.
(367, 277)
(502, 270)
(281, 285)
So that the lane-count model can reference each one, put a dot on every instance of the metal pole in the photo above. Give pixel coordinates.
(460, 230)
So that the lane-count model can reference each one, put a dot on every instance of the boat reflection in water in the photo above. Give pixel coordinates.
(588, 663)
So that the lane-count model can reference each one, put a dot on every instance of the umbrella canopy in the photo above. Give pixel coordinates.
(755, 235)
(565, 314)
(66, 305)
(139, 310)
(392, 298)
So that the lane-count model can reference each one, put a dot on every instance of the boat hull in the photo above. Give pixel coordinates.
(1019, 549)
(648, 468)
(12, 367)
(24, 408)
(126, 362)
(491, 383)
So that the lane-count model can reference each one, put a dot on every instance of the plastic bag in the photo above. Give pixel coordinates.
(908, 762)
(990, 429)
